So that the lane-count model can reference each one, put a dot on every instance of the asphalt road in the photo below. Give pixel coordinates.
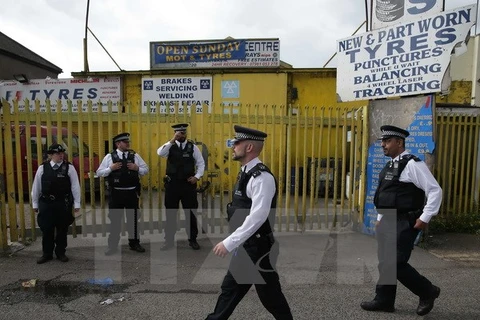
(323, 275)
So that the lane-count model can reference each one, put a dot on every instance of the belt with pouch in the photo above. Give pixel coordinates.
(51, 198)
(257, 237)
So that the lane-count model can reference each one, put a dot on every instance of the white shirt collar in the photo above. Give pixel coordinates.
(120, 153)
(52, 163)
(252, 163)
(397, 158)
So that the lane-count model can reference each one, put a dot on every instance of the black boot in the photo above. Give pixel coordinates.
(135, 245)
(375, 305)
(426, 305)
(194, 244)
(44, 259)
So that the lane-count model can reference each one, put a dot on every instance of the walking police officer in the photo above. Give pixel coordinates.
(251, 218)
(55, 190)
(185, 166)
(123, 167)
(404, 185)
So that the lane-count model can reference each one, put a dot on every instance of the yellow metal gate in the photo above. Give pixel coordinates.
(316, 154)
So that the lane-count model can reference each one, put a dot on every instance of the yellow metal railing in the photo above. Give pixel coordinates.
(312, 151)
(456, 166)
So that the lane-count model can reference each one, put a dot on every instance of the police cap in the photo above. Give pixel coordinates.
(243, 133)
(55, 148)
(180, 127)
(122, 137)
(392, 131)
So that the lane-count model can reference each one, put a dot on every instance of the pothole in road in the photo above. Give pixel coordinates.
(55, 292)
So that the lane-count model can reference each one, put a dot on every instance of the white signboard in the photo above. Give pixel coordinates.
(389, 12)
(98, 90)
(401, 60)
(169, 92)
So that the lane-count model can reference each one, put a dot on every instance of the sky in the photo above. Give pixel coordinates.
(55, 29)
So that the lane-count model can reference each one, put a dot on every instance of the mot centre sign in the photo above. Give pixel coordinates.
(232, 53)
(401, 60)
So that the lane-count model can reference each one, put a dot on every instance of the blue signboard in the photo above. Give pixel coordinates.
(419, 143)
(232, 53)
(198, 52)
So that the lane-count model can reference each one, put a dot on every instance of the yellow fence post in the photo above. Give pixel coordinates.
(9, 175)
(3, 207)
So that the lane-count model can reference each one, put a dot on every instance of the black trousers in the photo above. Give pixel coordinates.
(252, 264)
(177, 191)
(395, 244)
(53, 218)
(121, 201)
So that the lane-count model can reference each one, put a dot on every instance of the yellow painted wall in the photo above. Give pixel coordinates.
(255, 88)
(318, 88)
(256, 91)
(460, 92)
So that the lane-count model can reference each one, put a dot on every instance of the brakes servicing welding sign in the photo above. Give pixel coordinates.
(402, 60)
(99, 90)
(174, 94)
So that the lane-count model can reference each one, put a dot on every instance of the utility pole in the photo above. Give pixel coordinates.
(85, 51)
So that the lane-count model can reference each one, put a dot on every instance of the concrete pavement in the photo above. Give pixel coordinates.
(324, 276)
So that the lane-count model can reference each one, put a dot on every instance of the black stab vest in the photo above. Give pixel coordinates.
(124, 178)
(181, 163)
(240, 206)
(393, 194)
(56, 183)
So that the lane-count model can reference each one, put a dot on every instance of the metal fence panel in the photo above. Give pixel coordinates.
(314, 152)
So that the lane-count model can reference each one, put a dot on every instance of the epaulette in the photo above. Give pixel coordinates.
(410, 157)
(258, 169)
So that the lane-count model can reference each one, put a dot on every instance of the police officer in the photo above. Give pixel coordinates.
(251, 220)
(404, 185)
(185, 166)
(55, 190)
(123, 167)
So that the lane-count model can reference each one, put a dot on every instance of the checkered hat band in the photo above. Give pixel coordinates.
(246, 136)
(394, 133)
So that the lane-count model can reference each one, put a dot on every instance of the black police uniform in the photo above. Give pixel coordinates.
(55, 208)
(253, 262)
(401, 204)
(124, 185)
(180, 166)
